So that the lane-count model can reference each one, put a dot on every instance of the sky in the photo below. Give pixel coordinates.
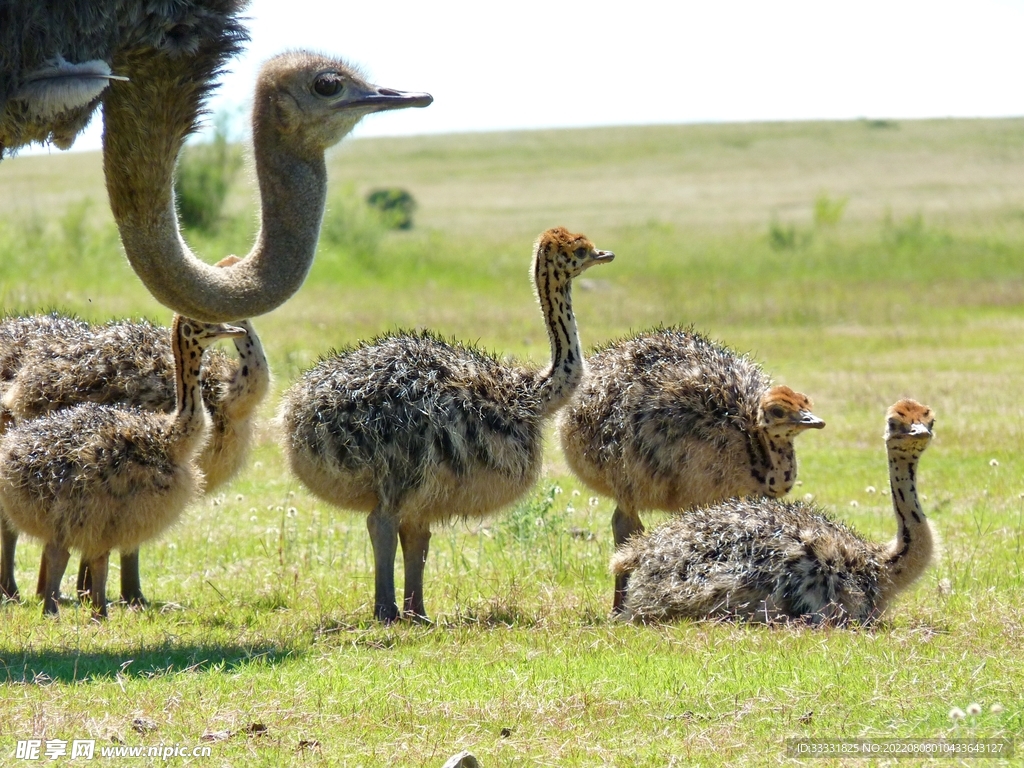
(569, 63)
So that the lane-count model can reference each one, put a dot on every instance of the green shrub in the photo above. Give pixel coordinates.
(396, 206)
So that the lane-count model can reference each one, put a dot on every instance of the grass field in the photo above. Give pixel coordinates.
(860, 262)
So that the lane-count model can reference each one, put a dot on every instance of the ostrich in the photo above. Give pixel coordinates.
(100, 477)
(669, 419)
(414, 429)
(131, 363)
(15, 331)
(170, 54)
(15, 334)
(768, 559)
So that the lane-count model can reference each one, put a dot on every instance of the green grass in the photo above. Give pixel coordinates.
(260, 634)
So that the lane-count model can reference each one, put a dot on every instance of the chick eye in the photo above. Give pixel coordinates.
(327, 84)
(581, 252)
(893, 425)
(777, 412)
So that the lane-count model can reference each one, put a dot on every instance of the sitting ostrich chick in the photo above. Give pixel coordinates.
(99, 477)
(768, 559)
(413, 429)
(670, 420)
(128, 362)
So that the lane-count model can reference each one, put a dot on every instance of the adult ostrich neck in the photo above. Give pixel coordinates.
(146, 121)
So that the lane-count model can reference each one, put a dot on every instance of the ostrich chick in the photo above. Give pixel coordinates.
(413, 429)
(16, 335)
(671, 420)
(768, 559)
(99, 477)
(129, 362)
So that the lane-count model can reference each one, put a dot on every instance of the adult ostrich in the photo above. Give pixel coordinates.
(59, 57)
(170, 54)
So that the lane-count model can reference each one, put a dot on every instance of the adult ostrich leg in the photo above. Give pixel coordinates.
(304, 104)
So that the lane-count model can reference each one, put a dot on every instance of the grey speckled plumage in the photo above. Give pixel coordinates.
(52, 51)
(405, 403)
(97, 477)
(62, 362)
(771, 559)
(414, 429)
(17, 332)
(758, 560)
(130, 361)
(669, 419)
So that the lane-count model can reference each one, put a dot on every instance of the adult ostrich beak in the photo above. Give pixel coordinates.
(377, 99)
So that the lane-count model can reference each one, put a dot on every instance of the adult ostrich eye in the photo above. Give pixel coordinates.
(328, 85)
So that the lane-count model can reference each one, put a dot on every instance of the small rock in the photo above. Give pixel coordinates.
(462, 760)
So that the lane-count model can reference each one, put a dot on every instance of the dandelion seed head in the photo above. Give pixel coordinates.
(956, 714)
(974, 708)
